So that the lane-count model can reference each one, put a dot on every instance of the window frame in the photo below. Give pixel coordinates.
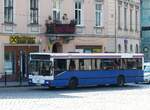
(99, 13)
(9, 11)
(57, 10)
(34, 11)
(79, 13)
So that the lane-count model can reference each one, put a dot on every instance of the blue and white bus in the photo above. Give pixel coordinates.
(85, 69)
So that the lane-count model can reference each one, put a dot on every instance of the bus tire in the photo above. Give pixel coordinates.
(73, 83)
(120, 80)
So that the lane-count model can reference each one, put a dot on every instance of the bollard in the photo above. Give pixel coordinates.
(5, 79)
(20, 78)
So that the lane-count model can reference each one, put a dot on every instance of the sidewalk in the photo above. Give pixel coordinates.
(13, 84)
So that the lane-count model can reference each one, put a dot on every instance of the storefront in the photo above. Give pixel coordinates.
(15, 56)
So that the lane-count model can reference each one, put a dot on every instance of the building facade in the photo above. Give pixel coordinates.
(65, 26)
(145, 29)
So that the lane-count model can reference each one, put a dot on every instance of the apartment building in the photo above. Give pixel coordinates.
(145, 26)
(65, 26)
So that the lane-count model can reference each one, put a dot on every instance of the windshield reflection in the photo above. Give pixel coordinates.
(147, 69)
(40, 67)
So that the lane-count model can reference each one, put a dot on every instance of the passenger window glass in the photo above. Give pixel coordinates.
(107, 64)
(87, 64)
(81, 64)
(60, 65)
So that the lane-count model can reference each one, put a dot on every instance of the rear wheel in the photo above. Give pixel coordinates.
(120, 81)
(73, 83)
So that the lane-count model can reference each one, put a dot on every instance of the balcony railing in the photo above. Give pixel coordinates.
(55, 28)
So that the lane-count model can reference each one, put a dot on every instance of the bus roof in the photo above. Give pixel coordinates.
(90, 55)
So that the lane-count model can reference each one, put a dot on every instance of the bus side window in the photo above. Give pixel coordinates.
(87, 64)
(72, 65)
(94, 64)
(81, 64)
(98, 64)
(60, 64)
(107, 64)
(139, 63)
(117, 64)
(124, 63)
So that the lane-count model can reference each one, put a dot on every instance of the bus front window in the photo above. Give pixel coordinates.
(40, 68)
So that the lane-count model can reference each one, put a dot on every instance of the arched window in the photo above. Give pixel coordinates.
(136, 48)
(125, 48)
(131, 48)
(119, 48)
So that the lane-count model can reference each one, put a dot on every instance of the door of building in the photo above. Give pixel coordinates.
(17, 57)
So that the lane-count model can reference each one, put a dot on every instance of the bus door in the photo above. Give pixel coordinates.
(52, 68)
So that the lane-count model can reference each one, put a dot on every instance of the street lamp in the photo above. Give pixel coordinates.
(115, 27)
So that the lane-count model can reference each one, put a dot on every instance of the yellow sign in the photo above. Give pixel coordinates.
(16, 39)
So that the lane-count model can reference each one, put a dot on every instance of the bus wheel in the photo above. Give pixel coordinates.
(73, 83)
(120, 81)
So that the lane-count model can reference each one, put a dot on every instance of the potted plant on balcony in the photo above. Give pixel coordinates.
(49, 20)
(48, 24)
(73, 22)
(65, 19)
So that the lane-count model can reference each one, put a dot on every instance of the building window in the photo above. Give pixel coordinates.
(9, 62)
(136, 20)
(119, 48)
(56, 10)
(119, 14)
(136, 48)
(34, 11)
(131, 17)
(125, 18)
(131, 48)
(79, 12)
(8, 11)
(98, 13)
(125, 46)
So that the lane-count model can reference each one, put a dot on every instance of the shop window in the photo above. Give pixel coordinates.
(9, 65)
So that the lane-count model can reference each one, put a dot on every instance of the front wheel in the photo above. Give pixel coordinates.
(73, 83)
(120, 81)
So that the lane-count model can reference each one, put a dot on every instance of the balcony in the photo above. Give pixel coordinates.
(60, 28)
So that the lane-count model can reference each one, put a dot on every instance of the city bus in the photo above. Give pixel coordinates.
(85, 69)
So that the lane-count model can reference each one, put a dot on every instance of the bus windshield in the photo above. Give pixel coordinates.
(147, 69)
(40, 68)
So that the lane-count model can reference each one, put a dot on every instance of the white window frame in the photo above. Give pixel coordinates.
(131, 19)
(99, 12)
(79, 12)
(32, 17)
(125, 18)
(12, 16)
(119, 15)
(136, 19)
(57, 9)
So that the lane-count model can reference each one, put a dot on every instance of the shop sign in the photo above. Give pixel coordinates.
(87, 51)
(97, 50)
(17, 39)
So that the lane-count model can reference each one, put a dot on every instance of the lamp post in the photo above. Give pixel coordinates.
(115, 27)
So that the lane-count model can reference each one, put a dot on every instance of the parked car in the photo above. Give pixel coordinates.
(147, 72)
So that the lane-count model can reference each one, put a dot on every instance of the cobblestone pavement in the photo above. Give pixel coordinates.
(130, 97)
